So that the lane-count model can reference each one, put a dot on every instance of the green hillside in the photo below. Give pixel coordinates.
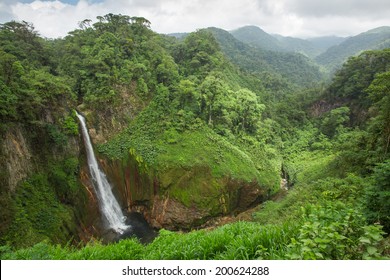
(335, 56)
(257, 37)
(324, 43)
(294, 68)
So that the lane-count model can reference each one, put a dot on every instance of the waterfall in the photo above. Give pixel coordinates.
(108, 204)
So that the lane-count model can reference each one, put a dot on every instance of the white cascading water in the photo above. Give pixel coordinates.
(108, 204)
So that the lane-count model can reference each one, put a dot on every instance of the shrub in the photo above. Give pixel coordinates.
(378, 196)
(335, 231)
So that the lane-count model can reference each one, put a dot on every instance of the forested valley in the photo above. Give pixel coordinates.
(220, 148)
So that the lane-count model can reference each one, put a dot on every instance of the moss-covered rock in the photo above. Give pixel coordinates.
(198, 176)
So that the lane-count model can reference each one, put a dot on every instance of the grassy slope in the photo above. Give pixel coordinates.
(236, 241)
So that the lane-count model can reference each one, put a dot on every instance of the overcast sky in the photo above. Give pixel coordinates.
(299, 18)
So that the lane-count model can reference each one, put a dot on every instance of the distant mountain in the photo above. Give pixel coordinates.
(334, 57)
(324, 43)
(292, 67)
(252, 48)
(291, 44)
(179, 35)
(257, 37)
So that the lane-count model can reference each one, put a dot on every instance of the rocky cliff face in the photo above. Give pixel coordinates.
(40, 192)
(17, 158)
(111, 120)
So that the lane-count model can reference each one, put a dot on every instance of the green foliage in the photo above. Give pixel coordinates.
(38, 215)
(8, 102)
(198, 54)
(63, 177)
(334, 121)
(118, 54)
(335, 56)
(200, 147)
(171, 131)
(350, 84)
(22, 41)
(378, 196)
(70, 126)
(352, 148)
(171, 136)
(28, 79)
(348, 190)
(56, 135)
(205, 148)
(43, 250)
(335, 231)
(238, 241)
(283, 68)
(379, 93)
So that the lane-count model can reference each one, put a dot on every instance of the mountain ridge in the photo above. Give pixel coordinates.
(257, 60)
(255, 36)
(373, 39)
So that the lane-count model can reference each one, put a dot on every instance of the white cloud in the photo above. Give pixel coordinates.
(354, 8)
(5, 10)
(54, 18)
(287, 17)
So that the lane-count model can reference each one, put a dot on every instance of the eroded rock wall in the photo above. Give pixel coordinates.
(179, 199)
(16, 159)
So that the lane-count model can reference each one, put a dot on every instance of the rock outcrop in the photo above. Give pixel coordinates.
(16, 158)
(179, 199)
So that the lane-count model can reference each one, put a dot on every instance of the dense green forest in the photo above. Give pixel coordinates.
(192, 132)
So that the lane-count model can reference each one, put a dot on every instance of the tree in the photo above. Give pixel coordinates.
(10, 68)
(199, 54)
(8, 102)
(211, 90)
(335, 120)
(22, 30)
(248, 110)
(112, 23)
(379, 93)
(378, 197)
(166, 71)
(21, 40)
(140, 21)
(85, 24)
(189, 97)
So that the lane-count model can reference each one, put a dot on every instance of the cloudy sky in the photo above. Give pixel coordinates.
(299, 18)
